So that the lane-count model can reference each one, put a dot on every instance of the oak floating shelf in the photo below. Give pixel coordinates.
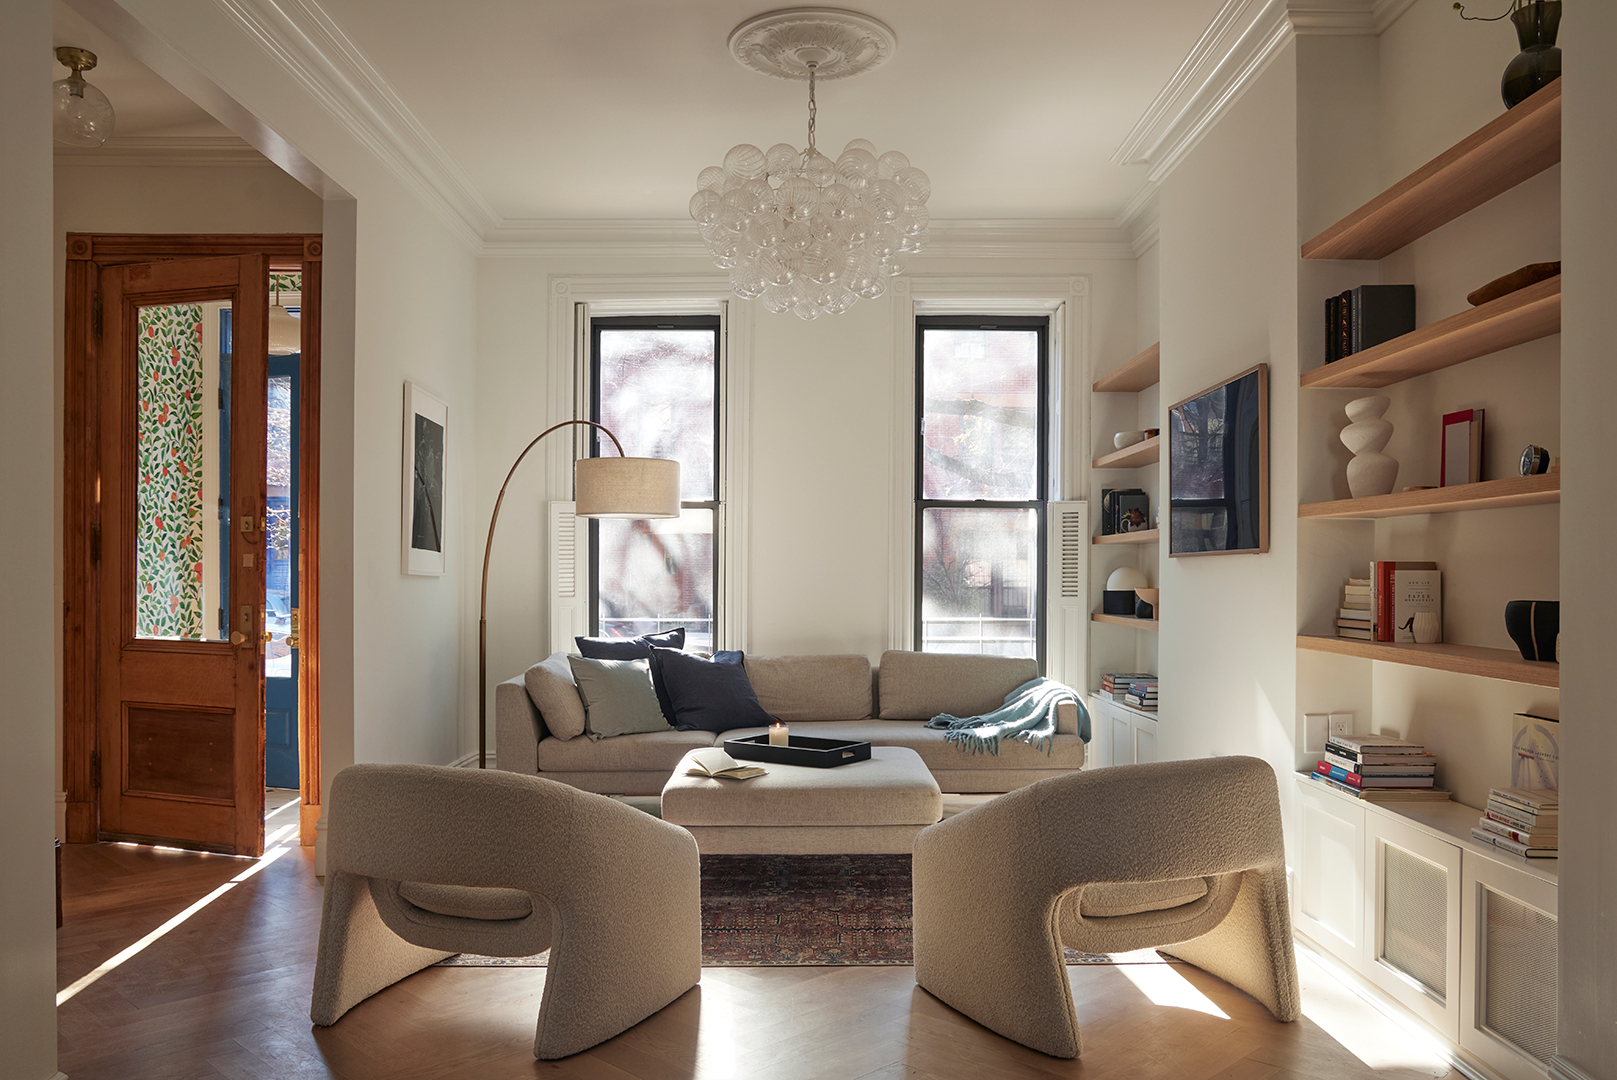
(1485, 495)
(1506, 664)
(1148, 452)
(1524, 315)
(1142, 371)
(1126, 620)
(1495, 158)
(1144, 536)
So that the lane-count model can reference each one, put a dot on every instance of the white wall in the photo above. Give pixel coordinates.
(29, 541)
(1588, 947)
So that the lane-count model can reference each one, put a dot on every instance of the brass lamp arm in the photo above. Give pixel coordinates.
(482, 604)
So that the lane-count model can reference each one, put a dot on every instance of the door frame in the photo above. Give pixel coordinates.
(87, 254)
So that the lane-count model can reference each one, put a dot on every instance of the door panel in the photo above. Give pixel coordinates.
(183, 399)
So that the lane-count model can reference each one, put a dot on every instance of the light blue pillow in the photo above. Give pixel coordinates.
(618, 697)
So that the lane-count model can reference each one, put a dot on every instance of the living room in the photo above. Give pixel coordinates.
(1337, 102)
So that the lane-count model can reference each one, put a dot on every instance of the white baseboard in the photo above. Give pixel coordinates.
(469, 761)
(61, 822)
(1565, 1070)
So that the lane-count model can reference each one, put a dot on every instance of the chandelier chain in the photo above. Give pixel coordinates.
(812, 110)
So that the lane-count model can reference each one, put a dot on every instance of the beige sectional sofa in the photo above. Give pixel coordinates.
(825, 696)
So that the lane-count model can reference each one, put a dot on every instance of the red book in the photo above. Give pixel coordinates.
(1381, 592)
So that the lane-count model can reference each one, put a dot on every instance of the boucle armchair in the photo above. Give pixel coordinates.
(424, 862)
(1186, 856)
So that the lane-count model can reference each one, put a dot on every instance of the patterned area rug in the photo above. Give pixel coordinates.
(806, 911)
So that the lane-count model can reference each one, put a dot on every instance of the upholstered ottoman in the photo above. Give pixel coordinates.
(870, 807)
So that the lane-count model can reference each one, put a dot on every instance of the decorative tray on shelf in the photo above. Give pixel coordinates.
(802, 750)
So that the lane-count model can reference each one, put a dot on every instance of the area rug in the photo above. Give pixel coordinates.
(804, 911)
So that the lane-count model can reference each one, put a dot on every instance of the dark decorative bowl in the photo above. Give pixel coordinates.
(1533, 626)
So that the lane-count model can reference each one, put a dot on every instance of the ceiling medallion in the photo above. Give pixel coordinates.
(804, 233)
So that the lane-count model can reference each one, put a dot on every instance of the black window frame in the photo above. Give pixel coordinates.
(1039, 504)
(715, 323)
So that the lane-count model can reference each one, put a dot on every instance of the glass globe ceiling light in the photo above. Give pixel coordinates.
(81, 114)
(805, 233)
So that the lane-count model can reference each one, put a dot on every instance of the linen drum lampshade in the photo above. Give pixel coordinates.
(626, 487)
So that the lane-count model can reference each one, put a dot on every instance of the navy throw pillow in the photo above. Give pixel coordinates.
(708, 695)
(639, 648)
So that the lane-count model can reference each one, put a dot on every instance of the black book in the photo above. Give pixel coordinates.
(1344, 325)
(1381, 313)
(1332, 316)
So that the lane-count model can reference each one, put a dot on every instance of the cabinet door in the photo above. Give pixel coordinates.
(1509, 959)
(1414, 934)
(1329, 897)
(1099, 751)
(1122, 725)
(1145, 739)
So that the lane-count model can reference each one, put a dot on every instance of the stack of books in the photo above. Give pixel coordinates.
(1399, 591)
(1366, 316)
(1525, 821)
(1116, 685)
(1353, 619)
(1142, 694)
(1378, 768)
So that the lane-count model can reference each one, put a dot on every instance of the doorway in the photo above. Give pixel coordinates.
(192, 531)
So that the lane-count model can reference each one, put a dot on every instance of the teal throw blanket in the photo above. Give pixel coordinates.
(1029, 714)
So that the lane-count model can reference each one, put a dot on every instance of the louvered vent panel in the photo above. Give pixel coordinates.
(564, 536)
(1518, 972)
(1415, 920)
(1074, 552)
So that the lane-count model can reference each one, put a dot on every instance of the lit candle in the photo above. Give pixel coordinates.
(778, 735)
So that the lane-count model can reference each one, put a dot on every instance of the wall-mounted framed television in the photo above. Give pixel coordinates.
(1218, 468)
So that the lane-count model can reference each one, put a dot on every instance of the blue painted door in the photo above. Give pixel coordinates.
(281, 576)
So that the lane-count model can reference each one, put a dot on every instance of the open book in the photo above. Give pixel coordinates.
(713, 761)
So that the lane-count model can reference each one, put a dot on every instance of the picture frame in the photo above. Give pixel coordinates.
(1218, 468)
(425, 482)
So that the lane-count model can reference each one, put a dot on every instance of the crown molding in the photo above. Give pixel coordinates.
(160, 151)
(1237, 47)
(311, 48)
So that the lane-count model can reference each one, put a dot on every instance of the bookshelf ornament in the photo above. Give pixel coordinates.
(1539, 62)
(1370, 472)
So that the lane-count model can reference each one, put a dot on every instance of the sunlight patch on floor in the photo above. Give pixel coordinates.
(1166, 987)
(1359, 1027)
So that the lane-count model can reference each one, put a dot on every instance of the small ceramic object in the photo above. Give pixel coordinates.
(1118, 597)
(1370, 472)
(1534, 625)
(1127, 438)
(1535, 461)
(1427, 628)
(1147, 606)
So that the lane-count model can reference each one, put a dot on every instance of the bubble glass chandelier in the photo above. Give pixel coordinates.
(805, 233)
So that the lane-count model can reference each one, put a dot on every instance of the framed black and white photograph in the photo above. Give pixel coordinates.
(426, 439)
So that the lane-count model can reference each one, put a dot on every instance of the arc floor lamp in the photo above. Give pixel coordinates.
(620, 487)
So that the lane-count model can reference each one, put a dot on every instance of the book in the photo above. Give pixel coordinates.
(1534, 799)
(1517, 821)
(1375, 744)
(1333, 315)
(1358, 614)
(1360, 581)
(1415, 766)
(1532, 838)
(1384, 795)
(1356, 780)
(713, 761)
(1357, 635)
(1381, 592)
(1380, 313)
(1535, 752)
(1415, 592)
(1484, 836)
(1353, 624)
(1461, 462)
(1356, 590)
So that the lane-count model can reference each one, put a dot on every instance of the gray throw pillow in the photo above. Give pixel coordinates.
(555, 694)
(617, 695)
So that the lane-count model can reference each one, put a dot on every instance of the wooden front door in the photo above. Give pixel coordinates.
(183, 397)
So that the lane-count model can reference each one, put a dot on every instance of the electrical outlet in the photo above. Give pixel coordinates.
(1341, 723)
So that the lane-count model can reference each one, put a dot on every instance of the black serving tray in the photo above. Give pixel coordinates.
(803, 750)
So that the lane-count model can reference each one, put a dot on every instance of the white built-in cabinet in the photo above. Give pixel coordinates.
(1460, 935)
(1122, 735)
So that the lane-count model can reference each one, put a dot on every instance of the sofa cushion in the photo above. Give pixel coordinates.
(555, 694)
(937, 753)
(709, 694)
(639, 648)
(652, 751)
(919, 686)
(466, 902)
(801, 688)
(617, 695)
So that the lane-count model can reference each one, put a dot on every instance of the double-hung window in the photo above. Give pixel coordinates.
(655, 383)
(981, 483)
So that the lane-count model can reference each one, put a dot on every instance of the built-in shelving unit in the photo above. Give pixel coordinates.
(1148, 452)
(1139, 373)
(1520, 144)
(1144, 536)
(1505, 664)
(1524, 315)
(1486, 495)
(1125, 620)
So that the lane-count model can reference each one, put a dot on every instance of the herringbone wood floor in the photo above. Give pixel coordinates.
(226, 994)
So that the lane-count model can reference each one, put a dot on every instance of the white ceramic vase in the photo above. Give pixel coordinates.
(1427, 627)
(1370, 472)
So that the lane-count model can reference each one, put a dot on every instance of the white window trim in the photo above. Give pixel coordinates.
(574, 299)
(1065, 299)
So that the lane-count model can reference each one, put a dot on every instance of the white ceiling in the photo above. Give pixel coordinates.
(609, 109)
